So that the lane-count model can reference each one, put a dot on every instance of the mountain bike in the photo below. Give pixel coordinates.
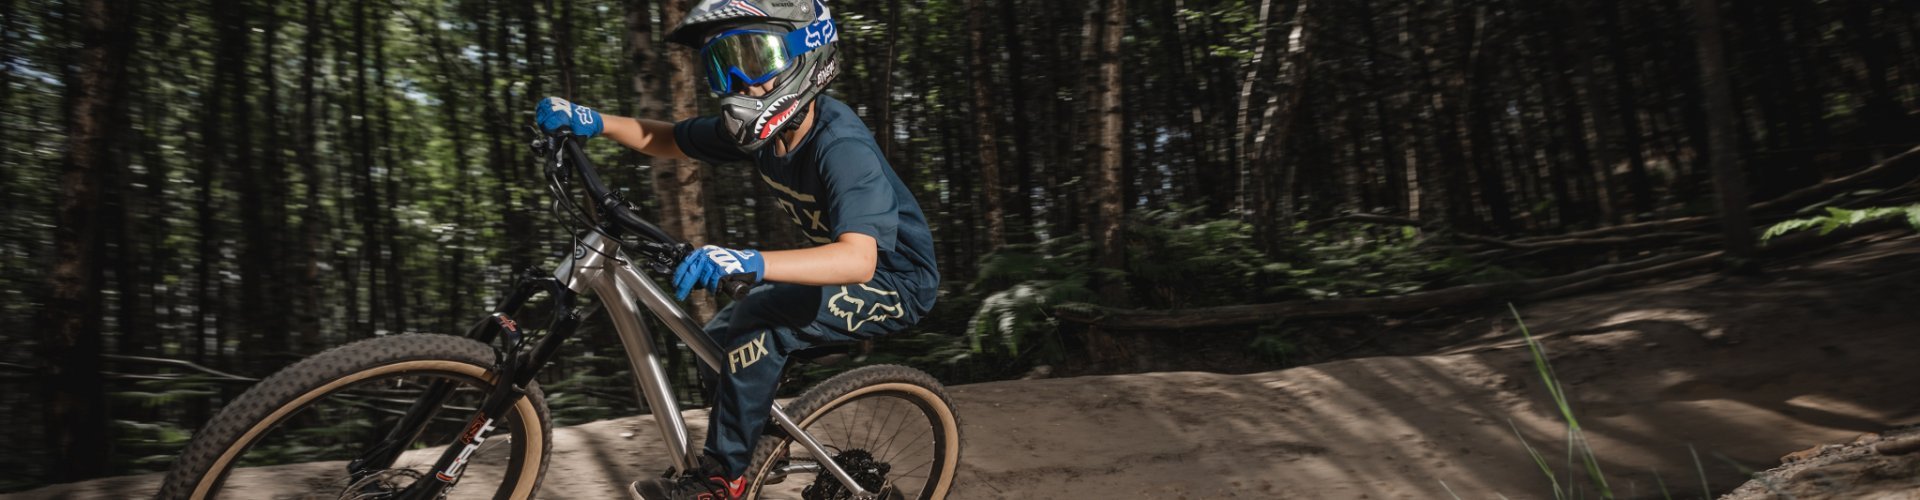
(428, 416)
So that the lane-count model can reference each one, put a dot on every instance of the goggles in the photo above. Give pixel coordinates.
(755, 56)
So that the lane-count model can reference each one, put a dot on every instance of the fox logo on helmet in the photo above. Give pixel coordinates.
(775, 116)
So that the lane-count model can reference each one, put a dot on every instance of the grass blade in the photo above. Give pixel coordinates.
(1575, 437)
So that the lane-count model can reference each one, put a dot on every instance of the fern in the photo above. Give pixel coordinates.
(1837, 218)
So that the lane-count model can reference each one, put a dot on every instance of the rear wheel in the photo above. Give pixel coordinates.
(890, 427)
(293, 434)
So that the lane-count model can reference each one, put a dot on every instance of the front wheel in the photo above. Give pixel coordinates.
(293, 434)
(890, 427)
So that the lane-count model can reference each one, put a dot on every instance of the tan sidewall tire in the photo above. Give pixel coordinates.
(268, 403)
(523, 488)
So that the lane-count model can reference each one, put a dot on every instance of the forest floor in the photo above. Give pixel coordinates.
(1816, 350)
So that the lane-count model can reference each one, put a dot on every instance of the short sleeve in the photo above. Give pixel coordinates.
(863, 197)
(701, 139)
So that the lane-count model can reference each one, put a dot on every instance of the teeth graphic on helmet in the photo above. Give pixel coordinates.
(781, 110)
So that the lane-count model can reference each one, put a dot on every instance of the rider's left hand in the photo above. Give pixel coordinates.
(706, 265)
(553, 113)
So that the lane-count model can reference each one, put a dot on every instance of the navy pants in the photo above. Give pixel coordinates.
(757, 332)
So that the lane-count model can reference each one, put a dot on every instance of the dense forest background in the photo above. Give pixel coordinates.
(198, 192)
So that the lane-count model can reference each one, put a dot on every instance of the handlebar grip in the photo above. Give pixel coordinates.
(736, 285)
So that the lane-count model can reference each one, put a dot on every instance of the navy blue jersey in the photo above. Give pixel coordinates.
(835, 182)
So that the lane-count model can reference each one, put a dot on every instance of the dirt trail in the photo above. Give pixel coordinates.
(1745, 370)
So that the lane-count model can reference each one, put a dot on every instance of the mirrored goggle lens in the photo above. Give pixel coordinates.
(751, 57)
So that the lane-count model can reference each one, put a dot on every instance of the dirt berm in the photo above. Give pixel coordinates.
(1744, 370)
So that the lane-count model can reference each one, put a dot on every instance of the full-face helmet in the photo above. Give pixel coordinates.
(744, 43)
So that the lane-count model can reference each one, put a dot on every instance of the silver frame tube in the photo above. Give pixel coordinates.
(619, 287)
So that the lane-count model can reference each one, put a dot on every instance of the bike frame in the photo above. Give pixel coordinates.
(598, 265)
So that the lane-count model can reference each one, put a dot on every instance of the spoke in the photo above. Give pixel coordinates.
(917, 444)
(883, 423)
(923, 465)
(896, 434)
(867, 441)
(856, 418)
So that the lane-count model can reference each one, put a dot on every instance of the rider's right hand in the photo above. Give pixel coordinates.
(553, 112)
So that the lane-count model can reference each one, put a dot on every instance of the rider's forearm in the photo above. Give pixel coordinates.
(846, 262)
(651, 137)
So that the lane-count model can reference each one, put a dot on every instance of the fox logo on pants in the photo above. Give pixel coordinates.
(878, 305)
(746, 355)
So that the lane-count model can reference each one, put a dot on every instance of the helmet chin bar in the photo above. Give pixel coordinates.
(753, 121)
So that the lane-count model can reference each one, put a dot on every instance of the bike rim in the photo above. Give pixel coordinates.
(318, 432)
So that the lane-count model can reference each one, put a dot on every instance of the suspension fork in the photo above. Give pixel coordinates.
(513, 371)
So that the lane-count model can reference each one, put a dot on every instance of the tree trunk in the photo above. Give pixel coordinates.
(256, 252)
(1274, 170)
(307, 316)
(563, 51)
(1108, 224)
(1605, 124)
(75, 410)
(389, 217)
(1639, 185)
(1021, 197)
(980, 75)
(1393, 159)
(1249, 139)
(1729, 180)
(1481, 119)
(683, 186)
(367, 194)
(276, 325)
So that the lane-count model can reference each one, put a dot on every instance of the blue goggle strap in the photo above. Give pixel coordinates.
(812, 36)
(798, 42)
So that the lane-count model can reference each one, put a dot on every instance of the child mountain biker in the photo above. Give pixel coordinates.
(872, 270)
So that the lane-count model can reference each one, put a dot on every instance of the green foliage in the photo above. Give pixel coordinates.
(598, 391)
(1837, 218)
(1275, 344)
(150, 446)
(1177, 261)
(1371, 261)
(1035, 278)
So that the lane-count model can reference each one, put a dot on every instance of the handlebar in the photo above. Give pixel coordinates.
(606, 199)
(662, 246)
(736, 286)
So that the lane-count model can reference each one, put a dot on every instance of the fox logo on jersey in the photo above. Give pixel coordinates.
(865, 304)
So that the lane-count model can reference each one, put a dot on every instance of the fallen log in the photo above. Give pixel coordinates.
(1364, 218)
(1789, 202)
(1521, 244)
(1660, 229)
(1532, 289)
(1133, 319)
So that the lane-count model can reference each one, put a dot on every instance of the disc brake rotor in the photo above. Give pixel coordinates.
(869, 473)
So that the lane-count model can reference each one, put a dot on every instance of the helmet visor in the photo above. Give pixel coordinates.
(751, 56)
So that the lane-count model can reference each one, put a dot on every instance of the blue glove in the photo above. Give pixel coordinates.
(706, 265)
(553, 112)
